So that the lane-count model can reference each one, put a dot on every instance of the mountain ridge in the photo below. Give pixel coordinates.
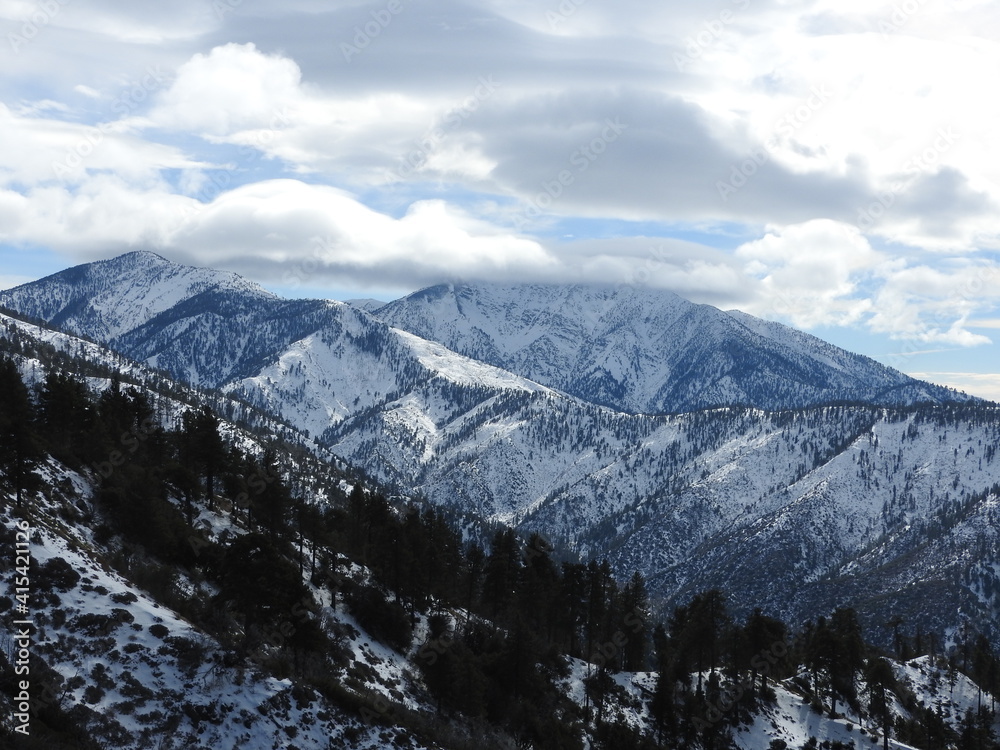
(645, 351)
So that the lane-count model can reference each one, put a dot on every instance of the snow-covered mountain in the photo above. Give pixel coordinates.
(647, 351)
(893, 510)
(106, 299)
(893, 485)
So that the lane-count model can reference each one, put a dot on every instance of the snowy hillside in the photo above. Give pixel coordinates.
(839, 504)
(153, 631)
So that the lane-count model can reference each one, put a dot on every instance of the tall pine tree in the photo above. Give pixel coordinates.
(20, 448)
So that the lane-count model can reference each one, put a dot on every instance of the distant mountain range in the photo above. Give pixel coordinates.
(701, 447)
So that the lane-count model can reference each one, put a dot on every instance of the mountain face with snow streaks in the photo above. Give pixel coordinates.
(647, 351)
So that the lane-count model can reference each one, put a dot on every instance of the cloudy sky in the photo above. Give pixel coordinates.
(831, 165)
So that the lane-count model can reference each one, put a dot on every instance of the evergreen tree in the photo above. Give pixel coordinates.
(762, 638)
(881, 682)
(539, 589)
(634, 623)
(67, 416)
(848, 656)
(573, 607)
(503, 568)
(202, 447)
(20, 447)
(262, 584)
(984, 667)
(663, 708)
(270, 499)
(473, 569)
(707, 622)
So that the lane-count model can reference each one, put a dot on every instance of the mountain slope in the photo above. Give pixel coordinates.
(840, 505)
(132, 653)
(647, 351)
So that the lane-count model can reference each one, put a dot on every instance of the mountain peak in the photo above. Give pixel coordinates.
(646, 350)
(144, 257)
(109, 297)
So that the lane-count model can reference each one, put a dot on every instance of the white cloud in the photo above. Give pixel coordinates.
(39, 150)
(231, 89)
(984, 323)
(237, 94)
(288, 225)
(825, 273)
(278, 226)
(104, 215)
(935, 305)
(87, 91)
(809, 272)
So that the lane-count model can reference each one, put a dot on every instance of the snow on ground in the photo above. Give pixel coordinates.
(462, 370)
(935, 686)
(794, 721)
(155, 678)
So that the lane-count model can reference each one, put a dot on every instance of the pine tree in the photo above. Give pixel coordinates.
(20, 447)
(66, 414)
(708, 620)
(572, 607)
(272, 500)
(763, 637)
(503, 568)
(634, 623)
(848, 656)
(538, 592)
(663, 707)
(880, 682)
(202, 446)
(261, 583)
